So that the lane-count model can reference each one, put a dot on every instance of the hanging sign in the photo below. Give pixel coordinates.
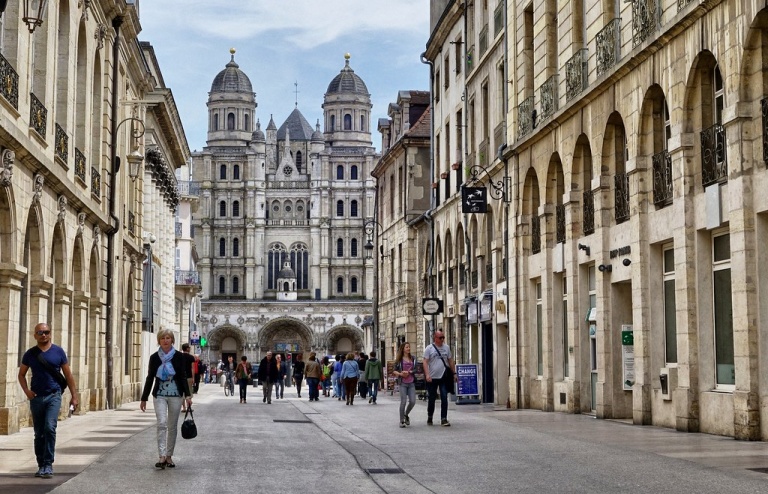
(474, 200)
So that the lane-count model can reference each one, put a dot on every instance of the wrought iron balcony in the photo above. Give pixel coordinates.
(80, 165)
(190, 189)
(61, 149)
(621, 197)
(483, 43)
(473, 278)
(525, 117)
(714, 164)
(549, 99)
(38, 116)
(9, 82)
(178, 229)
(187, 278)
(646, 19)
(131, 222)
(95, 184)
(764, 108)
(535, 234)
(560, 223)
(662, 179)
(576, 74)
(608, 43)
(588, 226)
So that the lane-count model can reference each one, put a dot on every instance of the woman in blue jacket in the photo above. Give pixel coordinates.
(350, 373)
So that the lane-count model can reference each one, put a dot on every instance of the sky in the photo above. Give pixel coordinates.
(283, 42)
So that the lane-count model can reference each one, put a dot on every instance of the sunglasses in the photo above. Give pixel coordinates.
(43, 333)
(441, 337)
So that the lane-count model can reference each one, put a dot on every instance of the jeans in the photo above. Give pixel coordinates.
(312, 385)
(432, 388)
(45, 416)
(279, 388)
(243, 383)
(167, 410)
(266, 387)
(373, 386)
(407, 390)
(326, 384)
(297, 380)
(338, 387)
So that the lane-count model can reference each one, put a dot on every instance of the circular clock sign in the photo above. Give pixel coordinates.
(432, 306)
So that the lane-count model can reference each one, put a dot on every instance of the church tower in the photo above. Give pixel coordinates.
(231, 106)
(347, 109)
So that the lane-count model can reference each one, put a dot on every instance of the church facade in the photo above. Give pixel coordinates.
(280, 227)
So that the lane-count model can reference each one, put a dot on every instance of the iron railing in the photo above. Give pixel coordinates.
(525, 117)
(646, 19)
(81, 165)
(576, 74)
(608, 45)
(61, 149)
(287, 184)
(588, 212)
(535, 234)
(662, 179)
(714, 164)
(188, 188)
(9, 82)
(621, 197)
(187, 278)
(95, 184)
(548, 94)
(560, 223)
(131, 222)
(38, 115)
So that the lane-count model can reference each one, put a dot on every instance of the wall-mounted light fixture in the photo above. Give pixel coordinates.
(585, 248)
(603, 268)
(33, 13)
(626, 261)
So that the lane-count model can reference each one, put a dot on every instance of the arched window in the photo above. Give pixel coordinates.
(353, 248)
(353, 285)
(222, 208)
(231, 121)
(340, 208)
(222, 247)
(298, 161)
(340, 285)
(333, 123)
(339, 248)
(222, 285)
(215, 121)
(300, 263)
(286, 287)
(236, 209)
(340, 172)
(362, 123)
(236, 172)
(347, 122)
(223, 172)
(247, 121)
(275, 259)
(353, 172)
(353, 209)
(235, 247)
(235, 285)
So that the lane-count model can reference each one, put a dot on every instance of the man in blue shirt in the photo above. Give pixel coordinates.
(44, 394)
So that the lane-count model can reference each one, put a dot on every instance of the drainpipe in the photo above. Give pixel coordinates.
(114, 220)
(428, 215)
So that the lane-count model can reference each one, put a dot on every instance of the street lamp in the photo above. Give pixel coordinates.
(135, 159)
(33, 13)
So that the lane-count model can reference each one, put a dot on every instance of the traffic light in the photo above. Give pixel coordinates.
(203, 342)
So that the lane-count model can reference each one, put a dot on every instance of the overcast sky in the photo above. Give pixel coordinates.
(280, 42)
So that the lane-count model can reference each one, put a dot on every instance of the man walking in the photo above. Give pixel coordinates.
(267, 376)
(438, 358)
(47, 361)
(374, 374)
(189, 366)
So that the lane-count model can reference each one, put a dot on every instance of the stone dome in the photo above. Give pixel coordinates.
(347, 81)
(231, 79)
(258, 134)
(317, 136)
(286, 272)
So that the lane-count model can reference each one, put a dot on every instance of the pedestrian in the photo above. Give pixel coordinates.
(327, 370)
(338, 384)
(203, 368)
(350, 373)
(189, 361)
(267, 376)
(243, 375)
(280, 380)
(404, 370)
(298, 373)
(313, 372)
(199, 373)
(47, 362)
(438, 358)
(362, 383)
(374, 375)
(168, 380)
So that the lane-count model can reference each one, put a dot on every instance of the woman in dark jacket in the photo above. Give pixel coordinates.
(298, 373)
(167, 379)
(267, 376)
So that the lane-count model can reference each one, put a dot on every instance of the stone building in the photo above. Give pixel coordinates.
(635, 152)
(75, 123)
(280, 224)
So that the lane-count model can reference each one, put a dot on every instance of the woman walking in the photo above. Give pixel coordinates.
(167, 379)
(350, 373)
(313, 372)
(405, 367)
(298, 373)
(243, 375)
(280, 381)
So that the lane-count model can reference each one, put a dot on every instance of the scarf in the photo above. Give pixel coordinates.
(166, 370)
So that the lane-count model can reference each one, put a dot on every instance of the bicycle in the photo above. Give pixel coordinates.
(229, 385)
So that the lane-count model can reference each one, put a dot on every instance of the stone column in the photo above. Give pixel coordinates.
(11, 276)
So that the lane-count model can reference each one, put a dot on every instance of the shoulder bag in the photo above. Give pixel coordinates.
(56, 375)
(448, 374)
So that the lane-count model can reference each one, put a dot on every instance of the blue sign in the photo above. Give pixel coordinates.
(467, 380)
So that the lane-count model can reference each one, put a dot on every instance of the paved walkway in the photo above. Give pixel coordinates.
(297, 446)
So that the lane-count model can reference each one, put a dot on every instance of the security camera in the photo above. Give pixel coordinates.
(626, 262)
(152, 238)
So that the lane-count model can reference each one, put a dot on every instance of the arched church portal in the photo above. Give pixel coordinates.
(344, 339)
(226, 340)
(285, 335)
